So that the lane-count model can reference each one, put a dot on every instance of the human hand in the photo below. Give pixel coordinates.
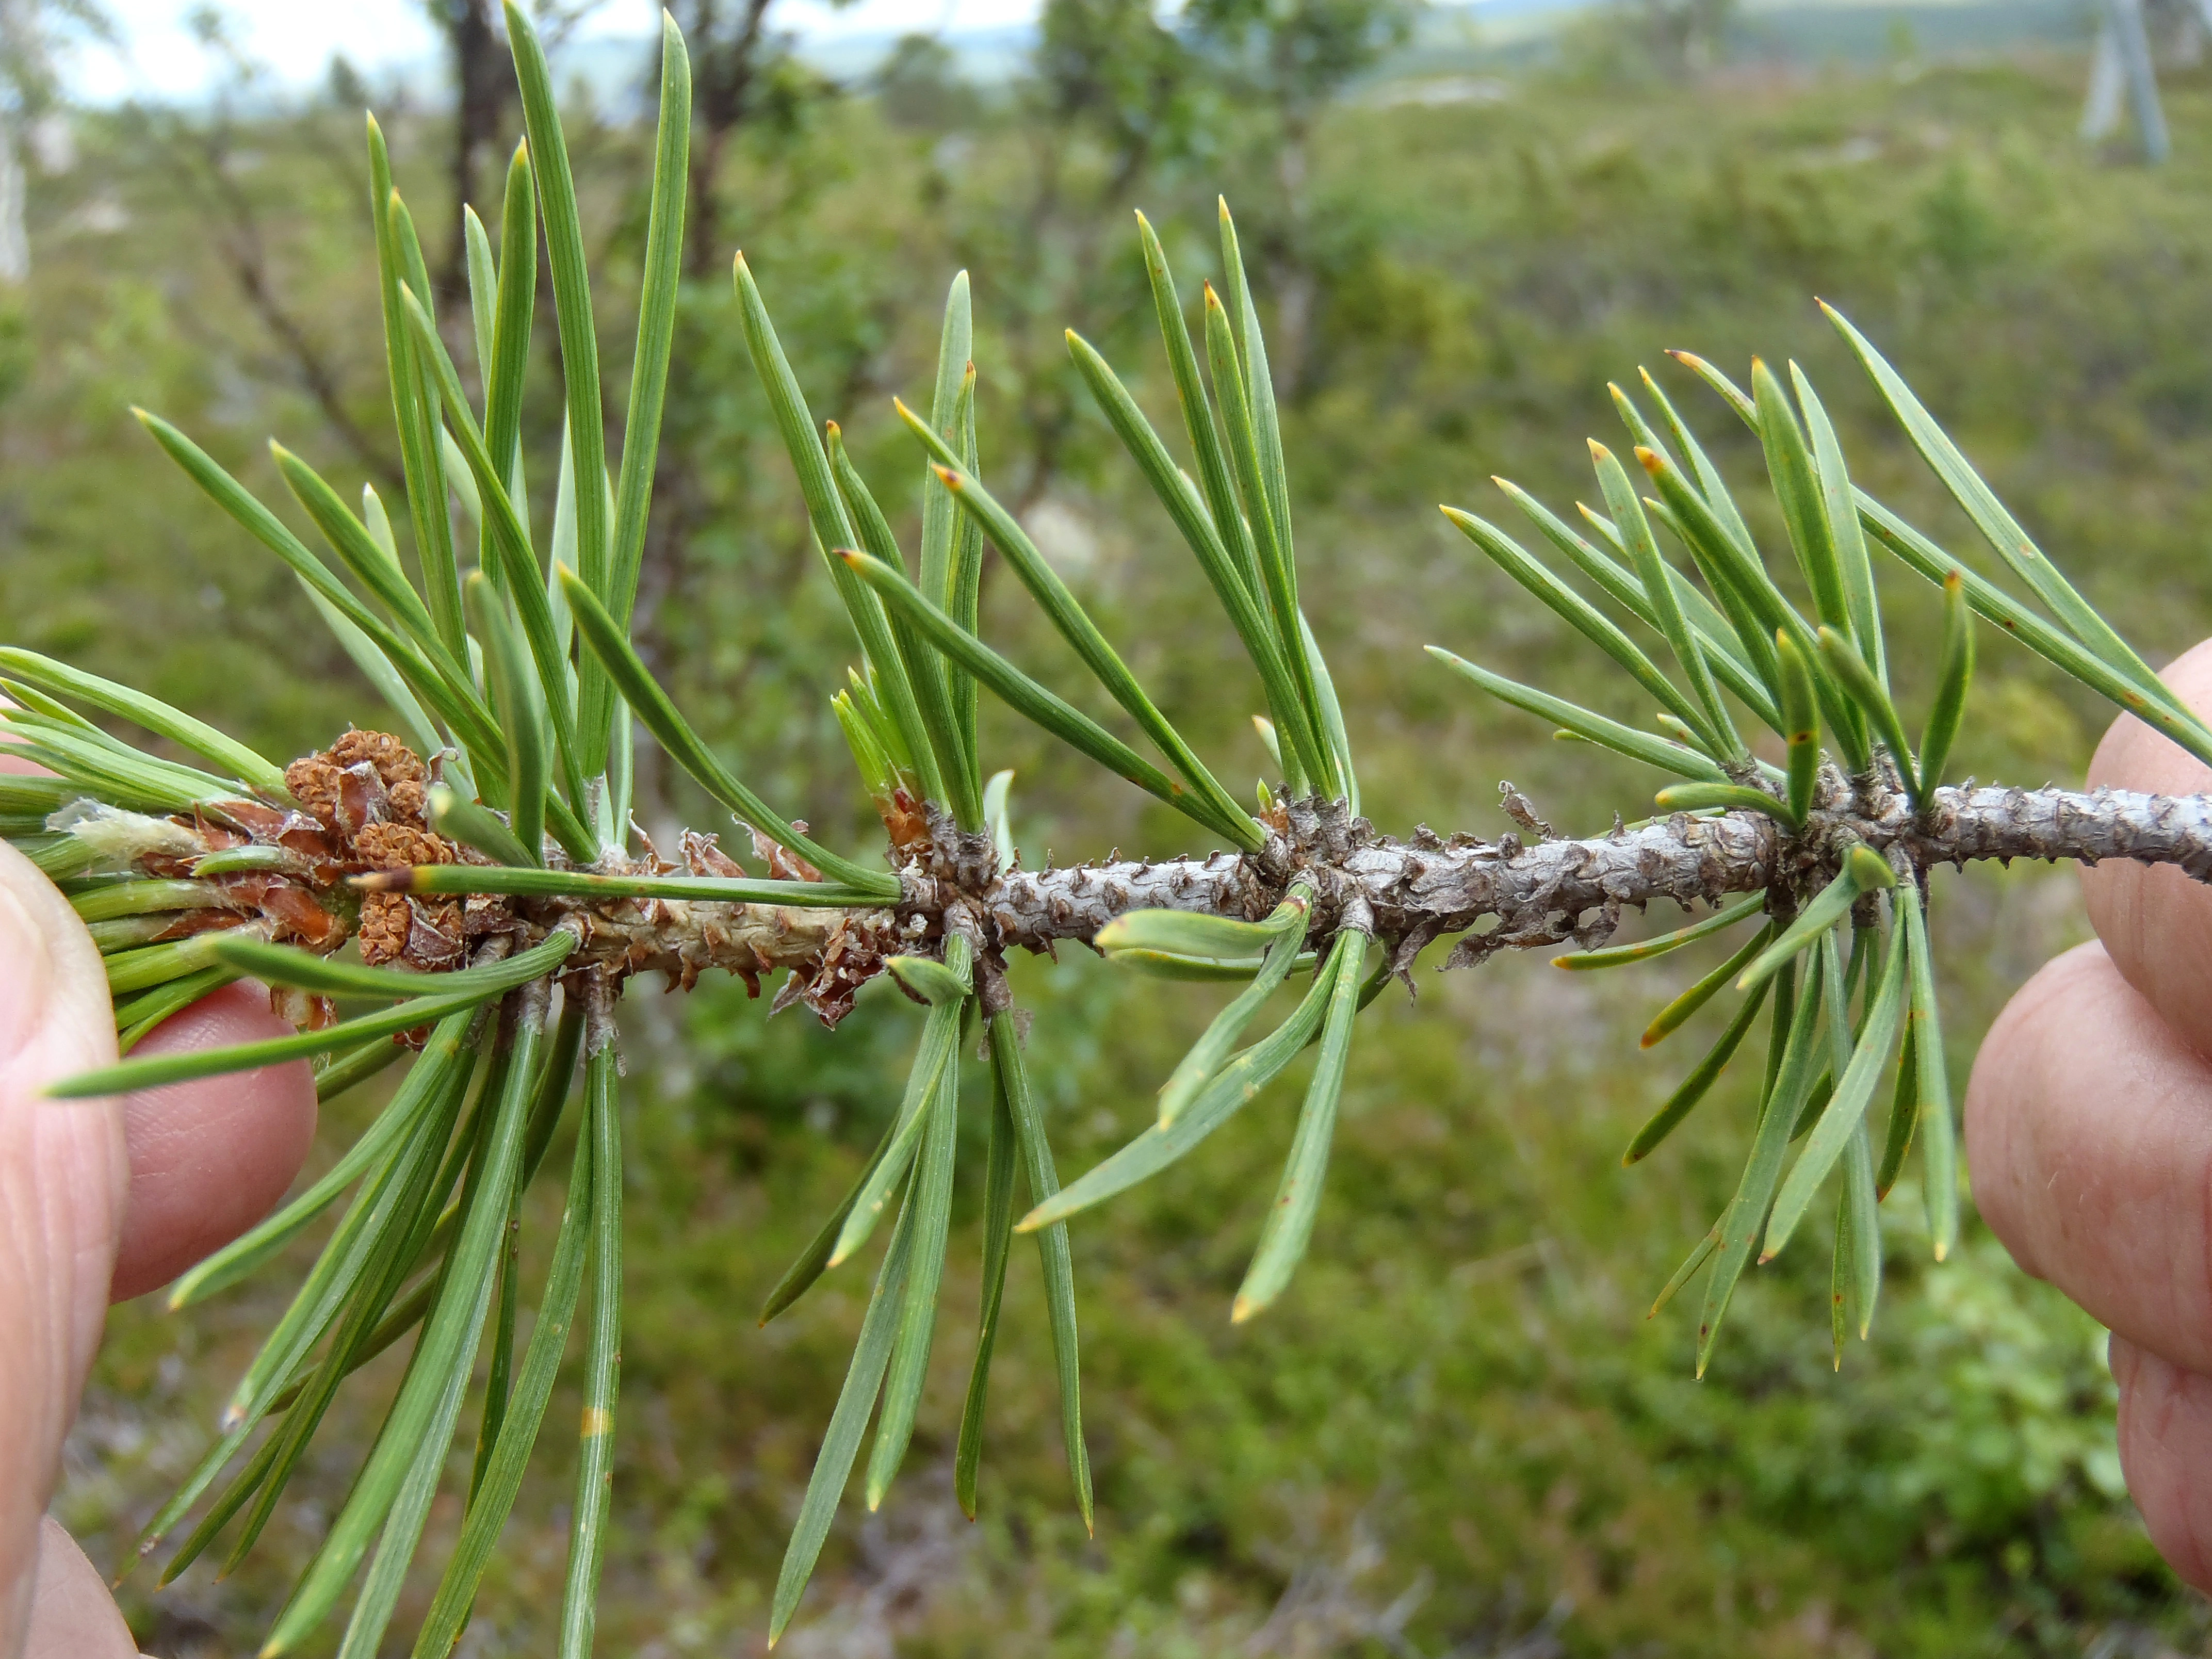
(2089, 1137)
(100, 1201)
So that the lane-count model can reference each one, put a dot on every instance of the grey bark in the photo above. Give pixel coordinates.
(1555, 889)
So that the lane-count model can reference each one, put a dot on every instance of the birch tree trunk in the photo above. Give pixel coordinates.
(15, 47)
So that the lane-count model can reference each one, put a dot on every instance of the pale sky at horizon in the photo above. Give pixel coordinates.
(297, 41)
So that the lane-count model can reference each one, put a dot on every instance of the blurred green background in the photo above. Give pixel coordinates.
(1458, 1434)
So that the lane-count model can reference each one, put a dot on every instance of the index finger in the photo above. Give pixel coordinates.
(2089, 1114)
(2155, 922)
(211, 1157)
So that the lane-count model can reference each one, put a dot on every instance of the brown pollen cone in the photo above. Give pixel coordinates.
(367, 790)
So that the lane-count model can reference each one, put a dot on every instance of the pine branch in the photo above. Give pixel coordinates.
(637, 916)
(1559, 890)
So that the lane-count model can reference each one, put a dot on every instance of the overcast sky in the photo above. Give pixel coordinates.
(296, 39)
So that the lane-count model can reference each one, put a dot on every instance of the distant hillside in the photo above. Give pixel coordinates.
(1503, 33)
(1864, 30)
(1496, 31)
(1490, 35)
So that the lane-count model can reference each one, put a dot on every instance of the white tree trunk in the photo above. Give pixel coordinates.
(2132, 41)
(15, 246)
(19, 58)
(2100, 110)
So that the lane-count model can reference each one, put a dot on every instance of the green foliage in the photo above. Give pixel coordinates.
(1485, 270)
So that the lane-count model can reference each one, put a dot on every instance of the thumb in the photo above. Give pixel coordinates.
(64, 1175)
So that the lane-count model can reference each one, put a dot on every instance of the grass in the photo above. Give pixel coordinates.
(1457, 1431)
